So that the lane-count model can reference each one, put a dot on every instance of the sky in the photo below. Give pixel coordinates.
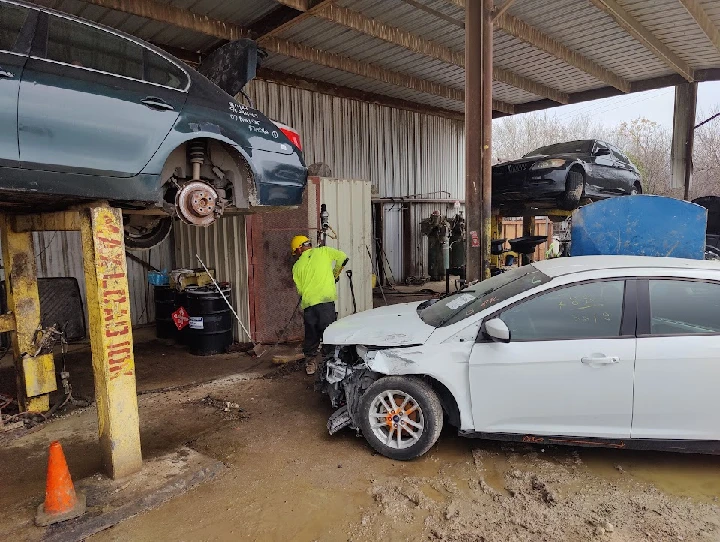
(655, 105)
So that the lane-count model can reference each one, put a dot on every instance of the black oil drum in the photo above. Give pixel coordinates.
(210, 328)
(165, 305)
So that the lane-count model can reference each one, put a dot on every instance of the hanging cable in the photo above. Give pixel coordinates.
(716, 115)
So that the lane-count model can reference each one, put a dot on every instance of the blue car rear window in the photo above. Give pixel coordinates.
(85, 46)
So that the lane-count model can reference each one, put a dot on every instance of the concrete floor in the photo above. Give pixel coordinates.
(287, 479)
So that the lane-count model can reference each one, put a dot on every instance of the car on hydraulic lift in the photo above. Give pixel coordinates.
(90, 113)
(562, 175)
(617, 351)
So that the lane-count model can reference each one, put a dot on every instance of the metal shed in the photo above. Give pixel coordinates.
(377, 88)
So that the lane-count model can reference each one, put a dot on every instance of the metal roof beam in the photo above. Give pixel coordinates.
(703, 20)
(523, 31)
(363, 69)
(436, 13)
(412, 42)
(533, 87)
(529, 34)
(500, 11)
(182, 18)
(633, 27)
(279, 16)
(308, 9)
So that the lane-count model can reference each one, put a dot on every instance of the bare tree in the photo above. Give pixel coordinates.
(647, 144)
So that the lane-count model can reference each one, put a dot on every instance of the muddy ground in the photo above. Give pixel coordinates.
(286, 479)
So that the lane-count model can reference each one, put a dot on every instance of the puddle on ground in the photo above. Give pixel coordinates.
(431, 493)
(688, 475)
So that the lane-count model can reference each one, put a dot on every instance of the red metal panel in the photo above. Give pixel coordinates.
(272, 291)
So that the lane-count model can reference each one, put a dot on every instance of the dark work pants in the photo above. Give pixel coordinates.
(317, 319)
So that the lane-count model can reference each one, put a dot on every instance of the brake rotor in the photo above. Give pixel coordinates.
(393, 417)
(196, 203)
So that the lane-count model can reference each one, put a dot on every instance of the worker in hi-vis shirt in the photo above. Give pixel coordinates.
(315, 273)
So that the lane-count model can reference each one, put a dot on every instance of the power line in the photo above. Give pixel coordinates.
(706, 121)
(616, 102)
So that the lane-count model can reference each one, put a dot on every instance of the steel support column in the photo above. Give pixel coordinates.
(486, 135)
(683, 136)
(473, 136)
(108, 303)
(35, 374)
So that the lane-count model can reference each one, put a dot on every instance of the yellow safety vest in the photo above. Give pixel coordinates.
(314, 275)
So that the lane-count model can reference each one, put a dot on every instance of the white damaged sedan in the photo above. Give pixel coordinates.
(620, 351)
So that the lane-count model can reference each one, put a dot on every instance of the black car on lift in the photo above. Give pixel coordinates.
(562, 174)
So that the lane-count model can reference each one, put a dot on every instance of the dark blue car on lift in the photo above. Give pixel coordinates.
(89, 113)
(562, 174)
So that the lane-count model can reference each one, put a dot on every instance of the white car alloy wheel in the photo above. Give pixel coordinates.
(396, 419)
(400, 416)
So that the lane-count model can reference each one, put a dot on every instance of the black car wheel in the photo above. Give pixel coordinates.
(145, 234)
(574, 188)
(400, 417)
(636, 189)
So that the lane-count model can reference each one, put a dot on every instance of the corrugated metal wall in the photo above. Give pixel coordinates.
(349, 207)
(400, 152)
(59, 254)
(222, 247)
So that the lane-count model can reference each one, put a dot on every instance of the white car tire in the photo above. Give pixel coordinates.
(400, 417)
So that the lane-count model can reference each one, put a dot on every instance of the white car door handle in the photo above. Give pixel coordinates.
(601, 360)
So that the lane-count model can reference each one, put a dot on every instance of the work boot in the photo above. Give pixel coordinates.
(310, 366)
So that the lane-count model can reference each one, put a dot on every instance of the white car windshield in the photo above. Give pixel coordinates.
(462, 304)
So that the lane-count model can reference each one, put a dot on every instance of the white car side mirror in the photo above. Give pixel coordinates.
(497, 330)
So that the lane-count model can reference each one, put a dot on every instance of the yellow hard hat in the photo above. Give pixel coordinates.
(297, 242)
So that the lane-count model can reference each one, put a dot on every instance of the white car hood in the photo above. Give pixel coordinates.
(395, 325)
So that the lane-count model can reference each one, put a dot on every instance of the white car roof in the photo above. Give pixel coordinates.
(577, 264)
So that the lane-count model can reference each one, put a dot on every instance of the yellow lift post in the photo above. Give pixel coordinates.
(108, 303)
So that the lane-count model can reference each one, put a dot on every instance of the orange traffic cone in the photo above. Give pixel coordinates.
(61, 500)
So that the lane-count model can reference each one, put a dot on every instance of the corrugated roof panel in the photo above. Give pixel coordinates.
(588, 31)
(671, 23)
(337, 77)
(402, 15)
(512, 95)
(712, 8)
(340, 40)
(593, 34)
(517, 56)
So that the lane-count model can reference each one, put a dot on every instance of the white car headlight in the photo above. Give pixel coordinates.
(545, 164)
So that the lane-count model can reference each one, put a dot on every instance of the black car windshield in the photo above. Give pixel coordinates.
(479, 297)
(582, 146)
